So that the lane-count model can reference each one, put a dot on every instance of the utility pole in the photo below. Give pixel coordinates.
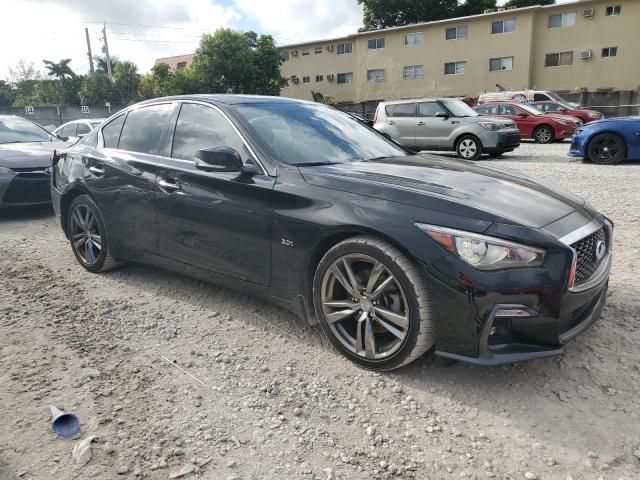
(86, 32)
(105, 49)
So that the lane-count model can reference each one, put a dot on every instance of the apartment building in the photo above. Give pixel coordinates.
(177, 62)
(587, 44)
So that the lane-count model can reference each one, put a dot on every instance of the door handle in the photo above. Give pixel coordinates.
(420, 124)
(168, 187)
(391, 122)
(97, 171)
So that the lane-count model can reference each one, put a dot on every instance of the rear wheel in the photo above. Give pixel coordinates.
(469, 147)
(544, 134)
(606, 149)
(88, 235)
(373, 304)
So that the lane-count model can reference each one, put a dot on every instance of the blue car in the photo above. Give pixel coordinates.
(609, 141)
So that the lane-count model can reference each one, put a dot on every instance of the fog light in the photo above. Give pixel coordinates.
(514, 312)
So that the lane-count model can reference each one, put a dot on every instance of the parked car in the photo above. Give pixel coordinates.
(522, 96)
(76, 129)
(565, 109)
(532, 123)
(25, 162)
(445, 124)
(609, 141)
(393, 253)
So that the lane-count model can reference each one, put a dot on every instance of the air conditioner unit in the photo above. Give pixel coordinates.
(330, 77)
(489, 10)
(501, 9)
(329, 48)
(295, 79)
(588, 12)
(294, 53)
(586, 54)
(512, 8)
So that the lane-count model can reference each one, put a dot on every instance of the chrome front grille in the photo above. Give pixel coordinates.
(587, 257)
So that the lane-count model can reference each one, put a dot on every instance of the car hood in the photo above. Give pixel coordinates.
(614, 120)
(436, 182)
(560, 116)
(28, 155)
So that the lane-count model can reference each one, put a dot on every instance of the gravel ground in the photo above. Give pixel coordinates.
(180, 379)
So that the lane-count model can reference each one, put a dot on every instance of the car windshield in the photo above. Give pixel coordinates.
(531, 110)
(305, 133)
(459, 109)
(555, 96)
(18, 130)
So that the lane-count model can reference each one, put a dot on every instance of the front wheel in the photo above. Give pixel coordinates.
(544, 134)
(372, 303)
(469, 147)
(606, 149)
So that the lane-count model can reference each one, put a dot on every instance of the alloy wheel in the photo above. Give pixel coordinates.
(544, 135)
(605, 149)
(365, 306)
(468, 148)
(85, 234)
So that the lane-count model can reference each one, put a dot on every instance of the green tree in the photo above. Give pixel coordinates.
(7, 94)
(528, 3)
(96, 89)
(126, 81)
(101, 64)
(60, 70)
(321, 98)
(267, 79)
(392, 13)
(474, 7)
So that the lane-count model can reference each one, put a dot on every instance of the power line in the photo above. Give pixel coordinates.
(152, 26)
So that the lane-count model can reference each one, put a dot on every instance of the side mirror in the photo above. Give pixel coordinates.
(443, 115)
(220, 159)
(523, 115)
(62, 137)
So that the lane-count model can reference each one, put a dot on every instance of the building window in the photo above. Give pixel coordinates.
(456, 33)
(344, 48)
(181, 65)
(305, 51)
(609, 52)
(614, 10)
(503, 26)
(412, 39)
(317, 50)
(306, 79)
(562, 20)
(500, 64)
(413, 71)
(375, 75)
(345, 78)
(319, 78)
(455, 68)
(376, 43)
(558, 59)
(284, 56)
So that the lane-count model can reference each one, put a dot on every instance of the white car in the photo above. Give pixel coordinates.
(76, 129)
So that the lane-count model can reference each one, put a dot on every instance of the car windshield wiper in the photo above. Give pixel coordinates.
(374, 159)
(314, 164)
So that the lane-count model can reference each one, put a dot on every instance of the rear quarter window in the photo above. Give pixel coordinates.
(111, 132)
(402, 110)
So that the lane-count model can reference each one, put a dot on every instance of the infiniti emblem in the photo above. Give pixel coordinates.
(601, 249)
(48, 171)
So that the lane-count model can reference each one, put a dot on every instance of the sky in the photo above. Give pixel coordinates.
(143, 30)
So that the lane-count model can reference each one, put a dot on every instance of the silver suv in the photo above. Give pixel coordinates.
(446, 124)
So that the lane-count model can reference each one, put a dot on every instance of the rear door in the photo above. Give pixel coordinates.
(432, 131)
(122, 178)
(401, 119)
(221, 221)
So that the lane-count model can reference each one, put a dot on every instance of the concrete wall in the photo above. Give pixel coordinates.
(57, 116)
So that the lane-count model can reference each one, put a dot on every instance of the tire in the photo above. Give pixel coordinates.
(544, 134)
(468, 147)
(519, 98)
(88, 235)
(606, 149)
(394, 318)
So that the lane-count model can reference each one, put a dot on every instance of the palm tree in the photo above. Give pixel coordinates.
(101, 64)
(61, 70)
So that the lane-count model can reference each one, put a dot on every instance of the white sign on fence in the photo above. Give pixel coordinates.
(85, 108)
(29, 110)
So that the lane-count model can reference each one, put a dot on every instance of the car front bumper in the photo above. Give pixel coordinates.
(577, 148)
(500, 141)
(25, 188)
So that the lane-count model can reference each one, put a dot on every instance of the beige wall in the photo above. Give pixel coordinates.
(174, 61)
(528, 45)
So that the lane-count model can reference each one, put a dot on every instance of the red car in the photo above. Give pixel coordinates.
(564, 109)
(532, 123)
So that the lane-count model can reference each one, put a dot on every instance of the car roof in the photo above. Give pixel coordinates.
(416, 100)
(229, 99)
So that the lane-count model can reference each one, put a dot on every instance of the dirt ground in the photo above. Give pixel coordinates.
(180, 379)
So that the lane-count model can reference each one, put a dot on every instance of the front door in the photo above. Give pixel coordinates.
(431, 131)
(221, 221)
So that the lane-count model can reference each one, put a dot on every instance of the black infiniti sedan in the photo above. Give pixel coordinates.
(393, 253)
(25, 161)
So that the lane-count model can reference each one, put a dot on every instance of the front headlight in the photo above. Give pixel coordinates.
(6, 171)
(578, 132)
(483, 252)
(594, 115)
(493, 126)
(565, 122)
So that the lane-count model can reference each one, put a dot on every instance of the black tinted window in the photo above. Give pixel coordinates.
(69, 130)
(540, 97)
(404, 110)
(111, 132)
(83, 129)
(201, 127)
(429, 109)
(144, 127)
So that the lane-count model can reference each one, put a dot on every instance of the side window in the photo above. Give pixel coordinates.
(201, 127)
(69, 130)
(143, 129)
(551, 107)
(540, 97)
(111, 132)
(507, 110)
(492, 110)
(429, 109)
(404, 110)
(83, 129)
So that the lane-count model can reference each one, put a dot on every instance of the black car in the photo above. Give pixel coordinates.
(393, 253)
(25, 162)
